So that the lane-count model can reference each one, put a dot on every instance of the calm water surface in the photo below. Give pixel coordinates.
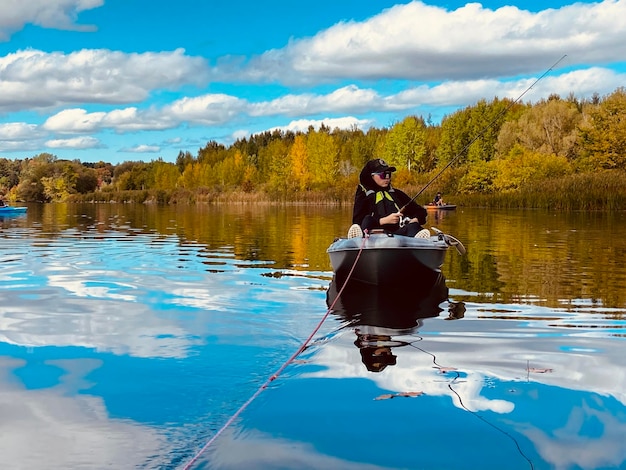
(130, 335)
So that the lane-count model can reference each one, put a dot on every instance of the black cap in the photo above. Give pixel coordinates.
(379, 165)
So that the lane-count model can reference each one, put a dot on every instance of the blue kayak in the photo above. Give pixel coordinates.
(11, 210)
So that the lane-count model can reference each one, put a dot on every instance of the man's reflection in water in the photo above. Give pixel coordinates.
(379, 315)
(375, 354)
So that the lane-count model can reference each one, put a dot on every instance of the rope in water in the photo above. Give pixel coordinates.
(275, 375)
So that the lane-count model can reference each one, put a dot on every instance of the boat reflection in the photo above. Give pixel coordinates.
(380, 316)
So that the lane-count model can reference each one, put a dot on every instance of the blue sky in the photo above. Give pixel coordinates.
(128, 80)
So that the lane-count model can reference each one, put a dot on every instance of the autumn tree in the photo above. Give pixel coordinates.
(46, 178)
(33, 171)
(232, 169)
(274, 165)
(212, 153)
(196, 175)
(299, 164)
(322, 158)
(9, 174)
(523, 167)
(166, 175)
(603, 132)
(549, 127)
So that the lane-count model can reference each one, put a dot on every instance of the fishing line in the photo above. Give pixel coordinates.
(476, 415)
(519, 449)
(482, 132)
(275, 375)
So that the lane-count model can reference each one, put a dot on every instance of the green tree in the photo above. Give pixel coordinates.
(455, 137)
(133, 176)
(405, 145)
(274, 162)
(486, 120)
(183, 159)
(471, 134)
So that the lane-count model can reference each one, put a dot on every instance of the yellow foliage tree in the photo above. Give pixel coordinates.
(196, 175)
(322, 153)
(166, 175)
(299, 160)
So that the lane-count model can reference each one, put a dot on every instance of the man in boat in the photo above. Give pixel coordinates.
(377, 205)
(438, 201)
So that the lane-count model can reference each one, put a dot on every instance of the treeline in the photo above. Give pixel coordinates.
(497, 150)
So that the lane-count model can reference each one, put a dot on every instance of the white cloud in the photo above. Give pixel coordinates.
(143, 149)
(57, 14)
(239, 134)
(36, 79)
(74, 143)
(19, 136)
(74, 120)
(70, 431)
(421, 42)
(346, 99)
(408, 42)
(17, 130)
(207, 109)
(302, 125)
(221, 109)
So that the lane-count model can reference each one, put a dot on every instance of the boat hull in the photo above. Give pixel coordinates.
(390, 307)
(386, 260)
(12, 210)
(444, 207)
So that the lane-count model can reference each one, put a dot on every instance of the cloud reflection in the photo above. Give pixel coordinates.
(67, 432)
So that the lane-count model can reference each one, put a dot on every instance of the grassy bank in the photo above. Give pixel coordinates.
(590, 191)
(605, 191)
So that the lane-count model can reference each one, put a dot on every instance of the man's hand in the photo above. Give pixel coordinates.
(391, 219)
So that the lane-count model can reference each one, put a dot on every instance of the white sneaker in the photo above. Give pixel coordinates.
(355, 231)
(424, 233)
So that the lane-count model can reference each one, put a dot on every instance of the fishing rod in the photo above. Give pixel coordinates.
(481, 133)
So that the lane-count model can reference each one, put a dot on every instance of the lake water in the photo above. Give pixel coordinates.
(137, 337)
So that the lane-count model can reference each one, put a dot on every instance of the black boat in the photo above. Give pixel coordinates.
(384, 259)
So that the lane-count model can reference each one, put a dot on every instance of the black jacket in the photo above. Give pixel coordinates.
(365, 204)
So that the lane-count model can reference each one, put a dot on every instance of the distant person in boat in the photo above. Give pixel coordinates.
(2, 204)
(377, 205)
(438, 201)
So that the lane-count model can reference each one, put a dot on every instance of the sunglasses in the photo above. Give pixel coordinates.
(383, 174)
